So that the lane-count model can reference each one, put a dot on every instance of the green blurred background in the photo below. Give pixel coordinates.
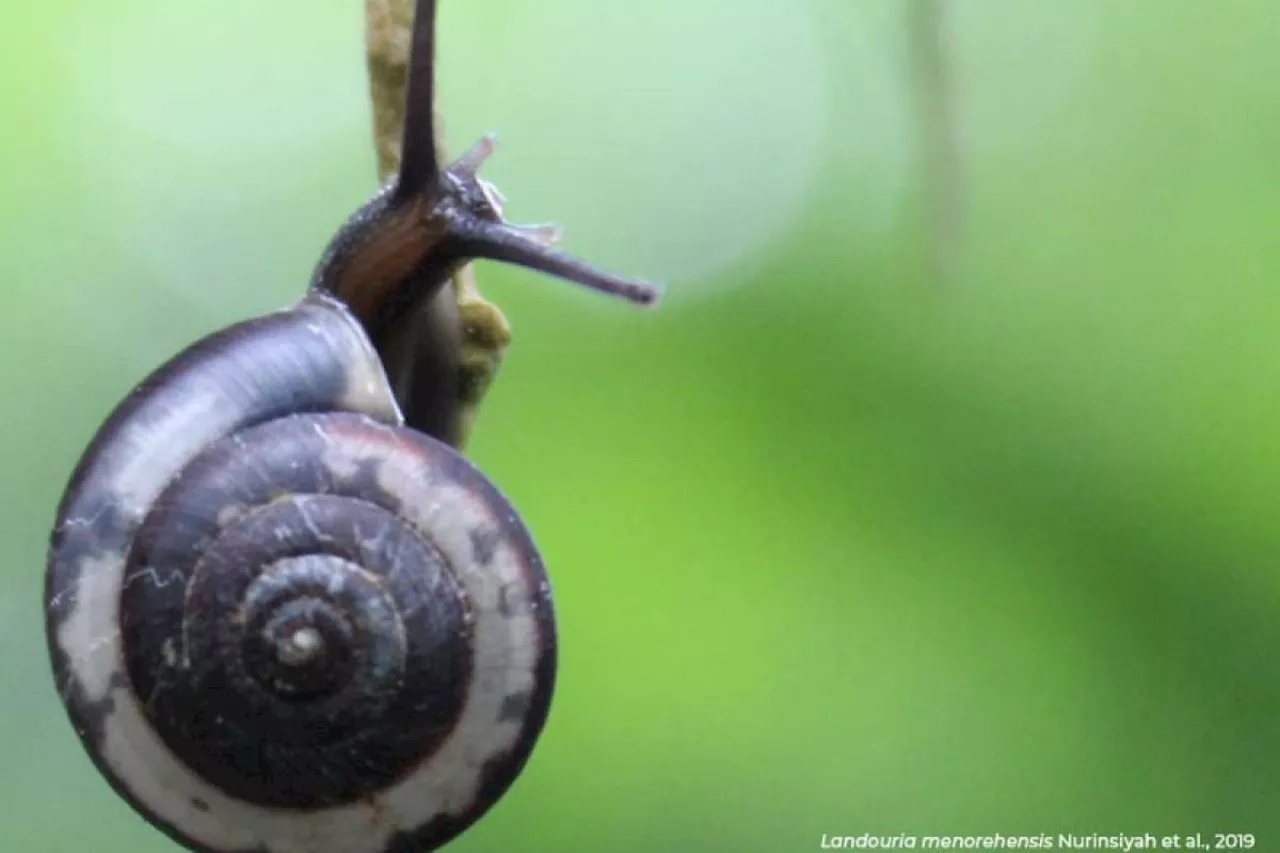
(838, 547)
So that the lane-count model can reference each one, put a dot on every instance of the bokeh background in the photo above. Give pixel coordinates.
(840, 545)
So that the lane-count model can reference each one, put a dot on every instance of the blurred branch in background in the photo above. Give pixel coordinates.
(486, 332)
(939, 154)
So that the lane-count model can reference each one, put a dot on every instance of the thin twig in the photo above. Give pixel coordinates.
(939, 149)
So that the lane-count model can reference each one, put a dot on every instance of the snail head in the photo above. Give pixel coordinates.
(461, 210)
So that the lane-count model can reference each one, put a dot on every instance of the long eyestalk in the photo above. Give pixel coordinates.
(476, 228)
(401, 248)
(513, 244)
(419, 163)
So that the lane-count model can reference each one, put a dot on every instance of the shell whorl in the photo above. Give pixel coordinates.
(279, 620)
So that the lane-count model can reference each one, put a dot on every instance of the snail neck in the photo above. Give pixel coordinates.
(389, 257)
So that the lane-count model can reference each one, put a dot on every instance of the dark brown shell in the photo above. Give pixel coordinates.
(261, 478)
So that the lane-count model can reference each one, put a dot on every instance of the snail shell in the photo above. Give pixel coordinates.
(279, 620)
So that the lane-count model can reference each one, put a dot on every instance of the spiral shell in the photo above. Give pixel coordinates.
(279, 620)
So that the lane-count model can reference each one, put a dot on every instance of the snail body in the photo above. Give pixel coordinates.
(284, 613)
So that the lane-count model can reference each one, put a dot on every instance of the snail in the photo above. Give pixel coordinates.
(284, 613)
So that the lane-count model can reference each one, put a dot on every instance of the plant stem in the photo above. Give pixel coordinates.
(939, 155)
(485, 331)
